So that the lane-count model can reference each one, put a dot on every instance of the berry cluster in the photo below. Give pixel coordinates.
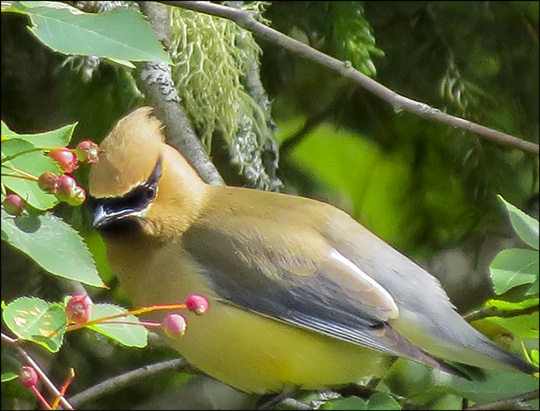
(64, 187)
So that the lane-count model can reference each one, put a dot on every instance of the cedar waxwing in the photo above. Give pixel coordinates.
(300, 293)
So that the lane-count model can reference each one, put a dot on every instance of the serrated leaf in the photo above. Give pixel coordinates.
(28, 5)
(34, 163)
(37, 320)
(513, 267)
(116, 34)
(51, 139)
(526, 227)
(130, 335)
(52, 244)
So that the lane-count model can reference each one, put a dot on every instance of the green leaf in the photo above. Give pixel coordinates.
(523, 326)
(534, 357)
(50, 139)
(53, 244)
(37, 320)
(350, 403)
(495, 385)
(525, 226)
(130, 335)
(8, 376)
(34, 163)
(7, 132)
(513, 267)
(535, 288)
(382, 401)
(510, 306)
(116, 34)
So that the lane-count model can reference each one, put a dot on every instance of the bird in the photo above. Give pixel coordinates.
(300, 294)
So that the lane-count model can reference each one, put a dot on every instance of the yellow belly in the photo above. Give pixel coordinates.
(243, 349)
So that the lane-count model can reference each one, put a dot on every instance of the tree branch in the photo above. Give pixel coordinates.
(512, 403)
(44, 378)
(161, 94)
(132, 377)
(400, 103)
(494, 312)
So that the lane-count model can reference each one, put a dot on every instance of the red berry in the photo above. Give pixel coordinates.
(28, 376)
(87, 151)
(197, 303)
(13, 204)
(79, 309)
(65, 158)
(48, 182)
(174, 325)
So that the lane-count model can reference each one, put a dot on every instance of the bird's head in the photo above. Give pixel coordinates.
(141, 183)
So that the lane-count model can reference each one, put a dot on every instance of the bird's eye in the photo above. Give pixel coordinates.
(149, 193)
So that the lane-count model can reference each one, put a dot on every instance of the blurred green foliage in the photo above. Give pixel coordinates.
(421, 186)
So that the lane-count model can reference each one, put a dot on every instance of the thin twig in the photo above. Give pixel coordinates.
(494, 312)
(46, 381)
(132, 377)
(247, 21)
(512, 403)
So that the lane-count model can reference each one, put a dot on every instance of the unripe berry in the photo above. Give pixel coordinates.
(197, 303)
(68, 191)
(79, 309)
(78, 196)
(28, 376)
(48, 182)
(87, 151)
(14, 204)
(65, 158)
(174, 325)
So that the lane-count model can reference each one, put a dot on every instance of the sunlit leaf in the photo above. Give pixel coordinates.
(36, 320)
(52, 244)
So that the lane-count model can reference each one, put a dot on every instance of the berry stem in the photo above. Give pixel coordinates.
(64, 388)
(24, 174)
(136, 311)
(41, 398)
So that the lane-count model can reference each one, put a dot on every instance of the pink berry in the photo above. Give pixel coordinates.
(87, 151)
(68, 191)
(79, 309)
(14, 204)
(197, 303)
(65, 158)
(28, 376)
(174, 325)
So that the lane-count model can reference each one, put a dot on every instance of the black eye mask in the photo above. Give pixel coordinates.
(114, 211)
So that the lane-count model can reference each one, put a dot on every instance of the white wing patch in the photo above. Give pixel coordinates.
(371, 286)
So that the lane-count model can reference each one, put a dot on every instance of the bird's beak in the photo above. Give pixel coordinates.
(103, 216)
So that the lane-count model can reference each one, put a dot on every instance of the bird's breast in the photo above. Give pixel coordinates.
(241, 348)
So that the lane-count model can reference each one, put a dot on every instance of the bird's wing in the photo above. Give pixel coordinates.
(294, 275)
